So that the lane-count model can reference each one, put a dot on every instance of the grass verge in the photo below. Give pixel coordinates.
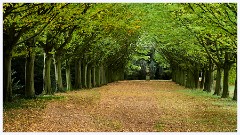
(215, 100)
(38, 102)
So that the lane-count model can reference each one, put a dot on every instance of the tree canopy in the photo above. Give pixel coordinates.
(109, 41)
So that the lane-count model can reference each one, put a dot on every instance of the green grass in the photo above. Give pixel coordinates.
(215, 100)
(50, 97)
(38, 102)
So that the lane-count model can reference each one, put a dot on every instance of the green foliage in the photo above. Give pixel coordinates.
(120, 35)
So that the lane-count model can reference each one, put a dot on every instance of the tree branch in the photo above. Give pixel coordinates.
(39, 31)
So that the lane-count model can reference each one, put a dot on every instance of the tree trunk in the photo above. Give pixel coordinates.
(235, 89)
(84, 75)
(110, 75)
(190, 80)
(89, 78)
(203, 79)
(101, 76)
(183, 78)
(178, 76)
(147, 73)
(226, 69)
(211, 80)
(97, 73)
(122, 74)
(218, 82)
(68, 75)
(208, 81)
(196, 78)
(209, 77)
(7, 79)
(29, 74)
(174, 74)
(58, 73)
(173, 77)
(106, 75)
(46, 74)
(78, 72)
(93, 77)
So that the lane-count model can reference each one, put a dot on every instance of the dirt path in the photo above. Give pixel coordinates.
(126, 106)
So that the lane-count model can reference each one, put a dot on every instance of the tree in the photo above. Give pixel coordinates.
(219, 40)
(19, 18)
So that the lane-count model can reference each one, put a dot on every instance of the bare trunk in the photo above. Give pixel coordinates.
(208, 81)
(68, 75)
(101, 75)
(178, 74)
(122, 74)
(93, 77)
(226, 69)
(190, 80)
(203, 79)
(85, 75)
(196, 78)
(7, 79)
(109, 75)
(147, 73)
(106, 75)
(235, 89)
(46, 75)
(225, 93)
(58, 73)
(97, 73)
(183, 78)
(209, 77)
(78, 81)
(174, 74)
(29, 74)
(89, 78)
(218, 82)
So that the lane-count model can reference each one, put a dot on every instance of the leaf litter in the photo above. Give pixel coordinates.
(124, 106)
